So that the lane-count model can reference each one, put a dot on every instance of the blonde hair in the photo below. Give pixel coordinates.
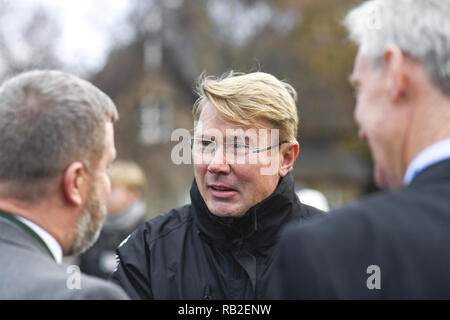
(247, 98)
(127, 174)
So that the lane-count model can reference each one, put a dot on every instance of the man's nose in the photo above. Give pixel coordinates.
(218, 163)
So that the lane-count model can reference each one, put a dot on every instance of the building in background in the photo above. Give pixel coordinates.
(152, 82)
(159, 48)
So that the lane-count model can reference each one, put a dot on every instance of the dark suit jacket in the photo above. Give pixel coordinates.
(406, 233)
(27, 271)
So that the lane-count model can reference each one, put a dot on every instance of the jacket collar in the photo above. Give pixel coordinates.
(437, 171)
(18, 233)
(258, 227)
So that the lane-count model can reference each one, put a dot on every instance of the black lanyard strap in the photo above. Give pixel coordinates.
(27, 229)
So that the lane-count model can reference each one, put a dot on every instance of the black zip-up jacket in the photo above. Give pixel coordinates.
(188, 253)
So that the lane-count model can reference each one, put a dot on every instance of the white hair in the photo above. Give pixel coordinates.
(420, 28)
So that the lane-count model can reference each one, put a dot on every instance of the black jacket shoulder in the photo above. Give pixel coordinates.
(402, 232)
(163, 225)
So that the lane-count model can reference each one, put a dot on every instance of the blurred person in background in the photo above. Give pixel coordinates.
(392, 245)
(221, 246)
(56, 143)
(126, 211)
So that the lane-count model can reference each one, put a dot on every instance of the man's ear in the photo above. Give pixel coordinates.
(396, 69)
(75, 183)
(288, 155)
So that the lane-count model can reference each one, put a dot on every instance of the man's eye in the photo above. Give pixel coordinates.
(205, 143)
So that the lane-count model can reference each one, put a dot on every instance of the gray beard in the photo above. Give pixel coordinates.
(88, 229)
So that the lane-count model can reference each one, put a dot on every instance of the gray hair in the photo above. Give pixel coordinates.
(47, 120)
(420, 28)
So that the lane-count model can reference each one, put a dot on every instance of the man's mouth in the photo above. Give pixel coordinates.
(222, 191)
(222, 188)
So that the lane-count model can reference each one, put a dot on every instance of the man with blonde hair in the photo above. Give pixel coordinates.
(221, 246)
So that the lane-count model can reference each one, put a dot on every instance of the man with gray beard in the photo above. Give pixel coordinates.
(56, 142)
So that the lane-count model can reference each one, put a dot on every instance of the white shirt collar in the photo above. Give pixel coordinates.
(432, 154)
(49, 240)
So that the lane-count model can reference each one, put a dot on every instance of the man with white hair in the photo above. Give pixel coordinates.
(56, 142)
(393, 245)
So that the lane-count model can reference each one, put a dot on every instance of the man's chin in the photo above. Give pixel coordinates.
(379, 179)
(384, 181)
(85, 243)
(87, 231)
(225, 211)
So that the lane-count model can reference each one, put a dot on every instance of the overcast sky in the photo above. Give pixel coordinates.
(88, 27)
